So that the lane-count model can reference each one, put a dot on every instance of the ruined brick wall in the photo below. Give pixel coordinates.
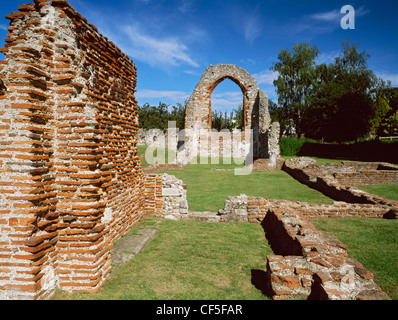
(71, 178)
(256, 119)
(255, 209)
(338, 180)
(311, 265)
(153, 195)
(370, 177)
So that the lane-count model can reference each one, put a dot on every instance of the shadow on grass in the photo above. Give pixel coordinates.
(259, 280)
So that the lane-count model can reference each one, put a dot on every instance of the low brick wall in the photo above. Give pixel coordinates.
(361, 178)
(153, 195)
(307, 264)
(310, 265)
(338, 180)
(165, 196)
(254, 209)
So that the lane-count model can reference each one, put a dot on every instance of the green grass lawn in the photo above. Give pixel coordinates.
(215, 261)
(208, 189)
(373, 242)
(389, 191)
(188, 261)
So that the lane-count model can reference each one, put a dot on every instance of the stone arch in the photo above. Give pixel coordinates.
(255, 110)
(255, 101)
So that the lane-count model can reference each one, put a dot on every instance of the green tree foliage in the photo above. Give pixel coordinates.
(388, 125)
(238, 116)
(157, 117)
(230, 121)
(220, 121)
(297, 70)
(339, 102)
(346, 102)
(279, 114)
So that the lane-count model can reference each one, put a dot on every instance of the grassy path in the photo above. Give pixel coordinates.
(190, 260)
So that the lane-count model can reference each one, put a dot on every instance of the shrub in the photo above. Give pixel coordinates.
(291, 146)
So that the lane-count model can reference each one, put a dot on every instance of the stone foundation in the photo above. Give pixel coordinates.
(311, 265)
(339, 180)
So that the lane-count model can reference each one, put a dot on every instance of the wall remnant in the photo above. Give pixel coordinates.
(310, 265)
(158, 139)
(339, 180)
(71, 180)
(261, 141)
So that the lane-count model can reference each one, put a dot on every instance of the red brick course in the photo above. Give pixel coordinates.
(71, 181)
(311, 265)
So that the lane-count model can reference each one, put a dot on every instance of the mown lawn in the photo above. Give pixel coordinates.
(373, 242)
(199, 260)
(389, 191)
(188, 261)
(208, 188)
(227, 261)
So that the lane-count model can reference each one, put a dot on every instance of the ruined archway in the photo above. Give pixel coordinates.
(256, 117)
(198, 109)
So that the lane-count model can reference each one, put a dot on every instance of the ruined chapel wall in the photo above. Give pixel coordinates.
(71, 177)
(256, 119)
(199, 104)
(339, 180)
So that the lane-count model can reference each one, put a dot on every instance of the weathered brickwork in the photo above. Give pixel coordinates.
(310, 265)
(153, 195)
(72, 182)
(254, 209)
(257, 137)
(71, 178)
(339, 180)
(307, 264)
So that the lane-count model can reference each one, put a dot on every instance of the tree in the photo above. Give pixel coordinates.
(220, 122)
(157, 117)
(178, 115)
(389, 122)
(153, 117)
(278, 114)
(297, 73)
(345, 99)
(238, 116)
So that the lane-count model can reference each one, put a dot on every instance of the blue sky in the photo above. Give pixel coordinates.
(173, 41)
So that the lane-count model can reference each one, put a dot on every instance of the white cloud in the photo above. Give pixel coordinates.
(229, 100)
(251, 27)
(265, 77)
(333, 15)
(319, 22)
(389, 76)
(328, 57)
(3, 27)
(336, 15)
(156, 94)
(186, 7)
(162, 52)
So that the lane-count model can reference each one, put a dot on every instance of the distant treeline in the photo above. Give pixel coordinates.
(157, 117)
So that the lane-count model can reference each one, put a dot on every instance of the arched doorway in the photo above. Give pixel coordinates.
(256, 133)
(226, 106)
